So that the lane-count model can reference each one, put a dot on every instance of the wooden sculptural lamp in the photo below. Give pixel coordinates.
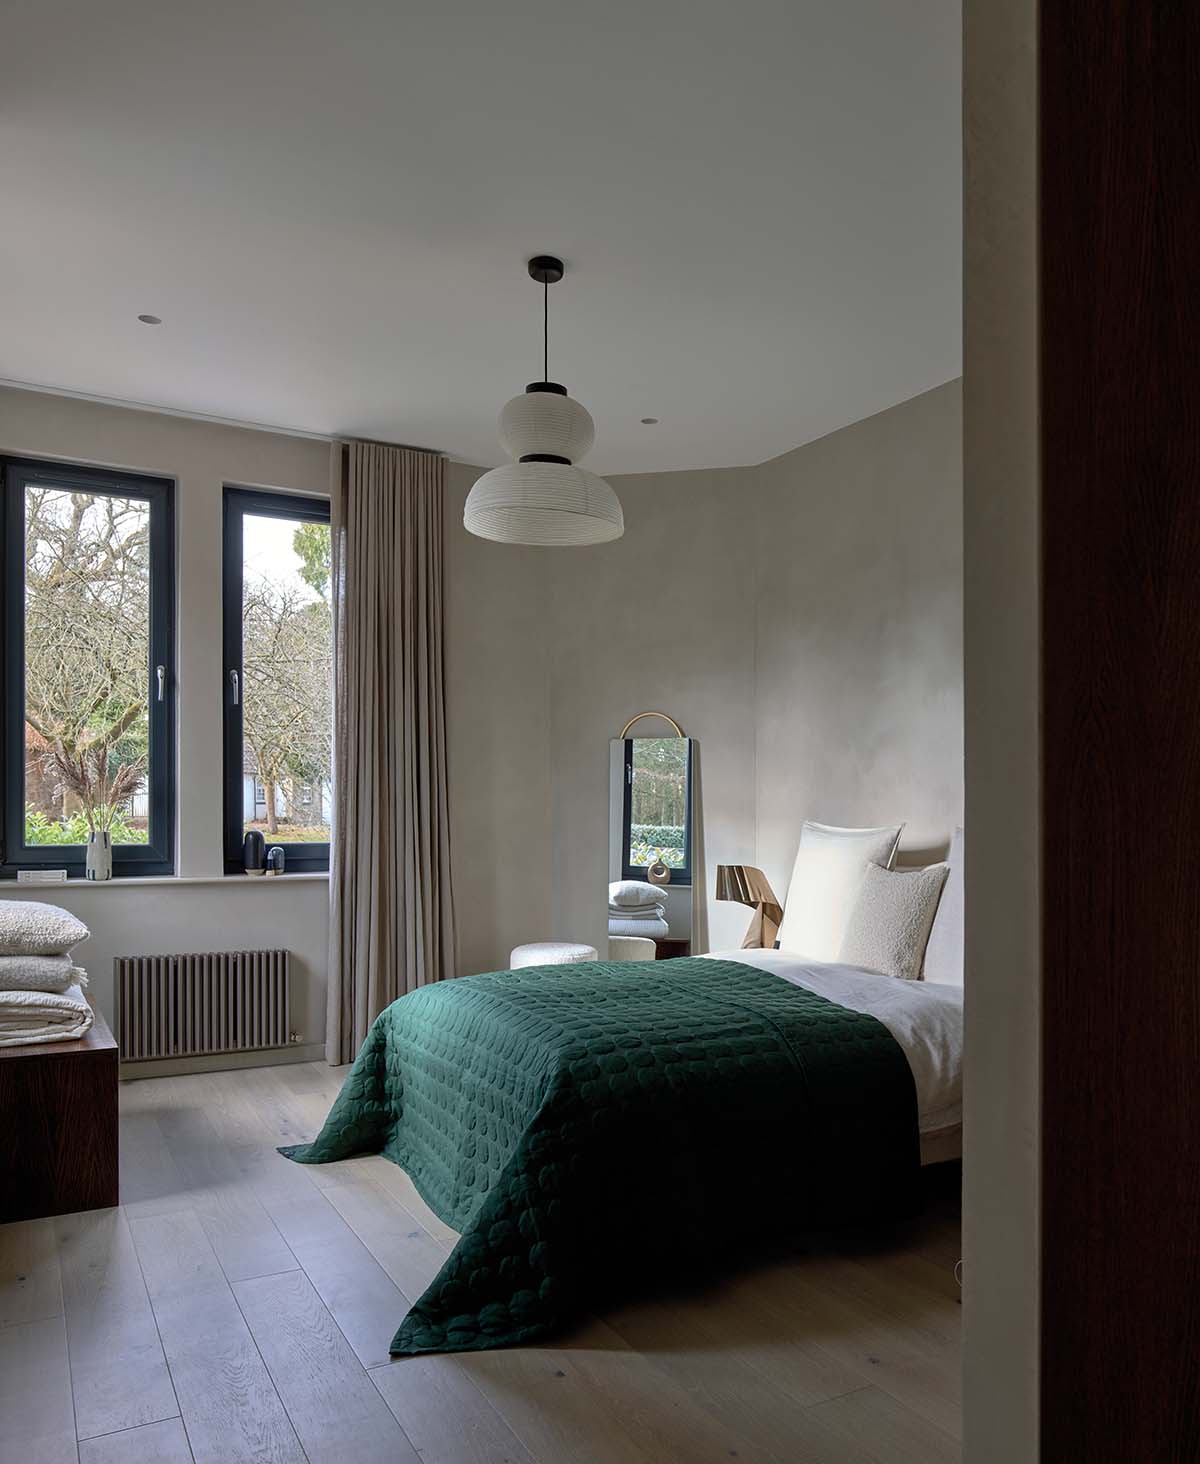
(750, 886)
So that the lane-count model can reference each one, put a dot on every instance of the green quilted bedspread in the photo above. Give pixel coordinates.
(594, 1129)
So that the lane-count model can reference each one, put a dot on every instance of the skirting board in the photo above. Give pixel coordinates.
(221, 1062)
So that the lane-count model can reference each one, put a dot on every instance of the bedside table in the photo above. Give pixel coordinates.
(668, 949)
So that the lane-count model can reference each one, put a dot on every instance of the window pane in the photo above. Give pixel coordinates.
(87, 654)
(658, 801)
(287, 647)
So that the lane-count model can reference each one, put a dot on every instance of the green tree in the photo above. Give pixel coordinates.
(312, 546)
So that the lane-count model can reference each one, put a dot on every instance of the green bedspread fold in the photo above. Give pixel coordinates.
(599, 1127)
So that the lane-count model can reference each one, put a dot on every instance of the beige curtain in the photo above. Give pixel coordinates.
(391, 910)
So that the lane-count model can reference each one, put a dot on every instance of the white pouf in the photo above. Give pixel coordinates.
(550, 953)
(630, 948)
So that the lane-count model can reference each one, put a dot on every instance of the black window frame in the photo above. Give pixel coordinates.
(157, 857)
(681, 876)
(238, 502)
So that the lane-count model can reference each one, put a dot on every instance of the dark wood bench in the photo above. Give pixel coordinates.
(58, 1126)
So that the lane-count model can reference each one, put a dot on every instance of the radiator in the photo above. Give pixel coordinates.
(190, 1005)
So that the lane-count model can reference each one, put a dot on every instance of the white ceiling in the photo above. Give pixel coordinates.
(330, 205)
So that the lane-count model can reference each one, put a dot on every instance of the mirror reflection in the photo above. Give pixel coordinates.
(650, 848)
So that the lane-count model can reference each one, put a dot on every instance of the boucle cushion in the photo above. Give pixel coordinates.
(550, 953)
(39, 973)
(826, 879)
(944, 953)
(890, 923)
(633, 892)
(31, 928)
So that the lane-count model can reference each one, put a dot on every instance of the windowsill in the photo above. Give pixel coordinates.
(675, 884)
(171, 879)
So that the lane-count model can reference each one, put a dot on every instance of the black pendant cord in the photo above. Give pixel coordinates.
(547, 271)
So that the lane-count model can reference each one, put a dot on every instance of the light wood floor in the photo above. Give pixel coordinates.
(239, 1307)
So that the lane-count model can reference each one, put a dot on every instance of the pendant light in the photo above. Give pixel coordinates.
(542, 497)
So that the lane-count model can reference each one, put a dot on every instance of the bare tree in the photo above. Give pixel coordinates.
(287, 708)
(87, 627)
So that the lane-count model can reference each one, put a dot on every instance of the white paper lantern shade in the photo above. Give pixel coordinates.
(545, 422)
(552, 504)
(543, 498)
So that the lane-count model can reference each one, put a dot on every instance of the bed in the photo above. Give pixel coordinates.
(924, 1018)
(593, 1129)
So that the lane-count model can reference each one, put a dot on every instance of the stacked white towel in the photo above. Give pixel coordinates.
(635, 899)
(41, 987)
(636, 907)
(638, 912)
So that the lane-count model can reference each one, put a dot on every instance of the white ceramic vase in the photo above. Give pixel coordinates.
(98, 860)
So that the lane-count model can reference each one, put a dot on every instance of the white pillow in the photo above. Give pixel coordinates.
(29, 928)
(890, 923)
(826, 879)
(634, 892)
(944, 953)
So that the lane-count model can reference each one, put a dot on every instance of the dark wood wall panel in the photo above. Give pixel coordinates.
(1120, 397)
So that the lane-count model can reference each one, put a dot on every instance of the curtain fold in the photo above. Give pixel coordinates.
(391, 906)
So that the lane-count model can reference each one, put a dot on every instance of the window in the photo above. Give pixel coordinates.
(278, 676)
(657, 815)
(88, 615)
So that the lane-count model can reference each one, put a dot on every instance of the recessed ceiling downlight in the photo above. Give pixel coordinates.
(649, 421)
(150, 319)
(543, 498)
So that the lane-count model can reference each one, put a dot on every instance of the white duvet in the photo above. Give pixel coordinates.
(924, 1018)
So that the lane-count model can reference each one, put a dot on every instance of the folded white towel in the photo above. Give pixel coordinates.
(40, 973)
(43, 1016)
(649, 929)
(633, 892)
(32, 928)
(638, 912)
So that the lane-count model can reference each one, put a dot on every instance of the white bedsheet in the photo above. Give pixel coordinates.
(924, 1018)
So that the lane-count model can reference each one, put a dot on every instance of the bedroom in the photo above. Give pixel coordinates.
(483, 963)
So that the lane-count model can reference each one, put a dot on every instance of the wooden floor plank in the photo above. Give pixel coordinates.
(30, 1284)
(150, 1183)
(885, 1431)
(714, 1333)
(335, 1409)
(443, 1413)
(119, 1375)
(593, 1398)
(403, 1247)
(37, 1424)
(772, 1420)
(230, 1408)
(392, 1178)
(551, 1407)
(153, 1443)
(364, 1301)
(244, 1237)
(929, 1386)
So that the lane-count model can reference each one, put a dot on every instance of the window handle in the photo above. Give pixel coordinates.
(235, 683)
(161, 673)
